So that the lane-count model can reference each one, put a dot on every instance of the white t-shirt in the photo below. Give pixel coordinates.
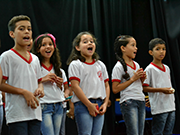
(159, 78)
(52, 93)
(92, 78)
(1, 103)
(133, 91)
(20, 73)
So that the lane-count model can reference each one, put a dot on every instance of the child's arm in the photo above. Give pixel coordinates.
(66, 91)
(80, 94)
(163, 90)
(29, 96)
(103, 107)
(117, 87)
(70, 114)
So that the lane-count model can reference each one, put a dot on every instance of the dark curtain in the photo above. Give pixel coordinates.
(106, 19)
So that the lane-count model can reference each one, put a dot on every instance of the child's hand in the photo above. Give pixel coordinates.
(59, 82)
(93, 110)
(138, 74)
(168, 90)
(39, 93)
(30, 99)
(70, 113)
(143, 78)
(102, 109)
(147, 103)
(49, 77)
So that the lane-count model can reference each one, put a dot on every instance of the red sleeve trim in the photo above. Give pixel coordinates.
(39, 79)
(69, 85)
(145, 84)
(106, 80)
(5, 77)
(74, 78)
(65, 83)
(116, 80)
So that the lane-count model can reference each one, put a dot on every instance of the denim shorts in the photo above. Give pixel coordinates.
(133, 112)
(87, 124)
(51, 118)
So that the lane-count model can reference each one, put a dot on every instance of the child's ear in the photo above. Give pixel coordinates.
(77, 48)
(122, 48)
(11, 34)
(150, 52)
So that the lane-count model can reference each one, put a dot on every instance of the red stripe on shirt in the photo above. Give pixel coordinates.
(116, 80)
(74, 78)
(145, 84)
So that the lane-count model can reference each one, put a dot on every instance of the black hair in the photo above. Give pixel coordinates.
(154, 42)
(122, 40)
(77, 54)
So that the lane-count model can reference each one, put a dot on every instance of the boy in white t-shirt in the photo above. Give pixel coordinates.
(160, 91)
(21, 74)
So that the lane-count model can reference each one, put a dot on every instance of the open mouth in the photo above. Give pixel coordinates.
(27, 38)
(90, 48)
(48, 51)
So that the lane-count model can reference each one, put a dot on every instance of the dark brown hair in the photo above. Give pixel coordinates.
(15, 19)
(55, 59)
(122, 40)
(76, 54)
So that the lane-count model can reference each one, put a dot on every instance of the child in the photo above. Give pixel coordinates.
(21, 73)
(158, 85)
(52, 109)
(1, 103)
(89, 82)
(127, 78)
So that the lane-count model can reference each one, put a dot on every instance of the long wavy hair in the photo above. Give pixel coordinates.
(122, 40)
(77, 54)
(55, 59)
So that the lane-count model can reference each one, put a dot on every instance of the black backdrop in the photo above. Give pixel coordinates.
(106, 19)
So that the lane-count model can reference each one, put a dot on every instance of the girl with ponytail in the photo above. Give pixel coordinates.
(127, 78)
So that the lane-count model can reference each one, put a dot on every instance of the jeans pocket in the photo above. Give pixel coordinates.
(126, 103)
(43, 107)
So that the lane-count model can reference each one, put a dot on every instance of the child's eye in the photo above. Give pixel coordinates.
(43, 44)
(91, 41)
(29, 29)
(164, 48)
(21, 29)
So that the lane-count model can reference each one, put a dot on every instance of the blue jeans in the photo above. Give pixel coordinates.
(163, 124)
(87, 124)
(31, 127)
(63, 125)
(51, 118)
(133, 112)
(1, 117)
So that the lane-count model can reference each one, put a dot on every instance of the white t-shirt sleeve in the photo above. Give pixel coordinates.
(64, 76)
(105, 73)
(117, 73)
(4, 66)
(148, 77)
(73, 71)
